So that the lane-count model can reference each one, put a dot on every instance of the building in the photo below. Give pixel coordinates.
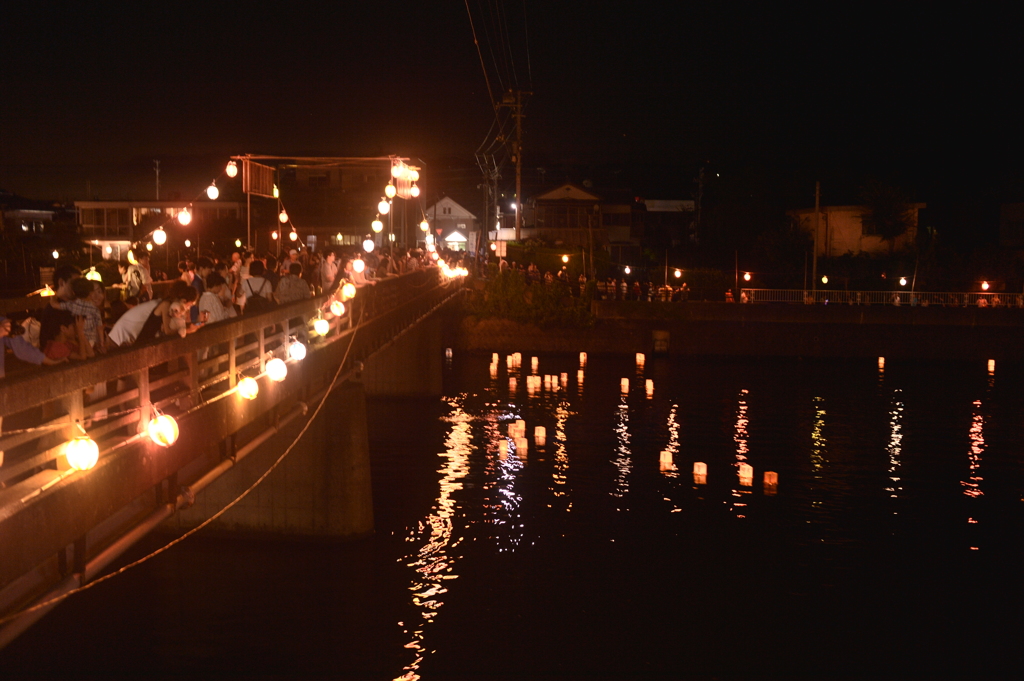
(453, 225)
(841, 231)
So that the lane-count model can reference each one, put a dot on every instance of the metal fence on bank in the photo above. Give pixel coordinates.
(895, 298)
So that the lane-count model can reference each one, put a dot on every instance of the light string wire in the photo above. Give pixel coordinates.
(232, 504)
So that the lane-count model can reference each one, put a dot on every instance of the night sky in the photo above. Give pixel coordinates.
(776, 97)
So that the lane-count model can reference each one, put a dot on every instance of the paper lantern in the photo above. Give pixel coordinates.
(368, 246)
(771, 482)
(383, 207)
(159, 237)
(540, 435)
(650, 388)
(425, 226)
(502, 449)
(700, 472)
(624, 385)
(564, 379)
(533, 364)
(377, 226)
(640, 359)
(337, 308)
(991, 367)
(414, 191)
(163, 430)
(348, 291)
(277, 370)
(248, 388)
(390, 191)
(358, 265)
(184, 217)
(232, 169)
(583, 359)
(297, 351)
(321, 326)
(881, 363)
(746, 475)
(212, 192)
(82, 453)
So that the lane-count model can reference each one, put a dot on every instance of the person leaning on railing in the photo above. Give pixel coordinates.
(11, 339)
(156, 317)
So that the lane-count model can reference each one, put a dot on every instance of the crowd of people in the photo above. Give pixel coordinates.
(79, 321)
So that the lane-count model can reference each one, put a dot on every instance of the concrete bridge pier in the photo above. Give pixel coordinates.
(321, 489)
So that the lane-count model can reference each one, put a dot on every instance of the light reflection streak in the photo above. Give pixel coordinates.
(895, 446)
(819, 444)
(669, 468)
(972, 485)
(623, 456)
(561, 468)
(741, 438)
(434, 560)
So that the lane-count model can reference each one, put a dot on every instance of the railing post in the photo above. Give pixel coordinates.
(232, 377)
(145, 405)
(262, 348)
(192, 360)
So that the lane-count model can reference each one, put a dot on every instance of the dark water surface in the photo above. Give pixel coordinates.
(892, 546)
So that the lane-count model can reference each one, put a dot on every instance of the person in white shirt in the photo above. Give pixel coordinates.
(213, 303)
(128, 326)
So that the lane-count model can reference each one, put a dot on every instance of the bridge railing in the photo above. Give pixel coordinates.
(113, 396)
(898, 298)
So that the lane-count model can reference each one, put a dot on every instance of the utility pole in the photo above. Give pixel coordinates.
(514, 100)
(156, 167)
(817, 224)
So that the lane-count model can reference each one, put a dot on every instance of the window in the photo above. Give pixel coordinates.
(447, 210)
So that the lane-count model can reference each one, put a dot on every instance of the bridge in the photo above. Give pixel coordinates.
(243, 394)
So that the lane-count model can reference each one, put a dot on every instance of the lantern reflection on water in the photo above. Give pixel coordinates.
(771, 483)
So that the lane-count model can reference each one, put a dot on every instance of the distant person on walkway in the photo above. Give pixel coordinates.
(292, 286)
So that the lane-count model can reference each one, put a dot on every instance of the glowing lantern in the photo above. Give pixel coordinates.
(522, 446)
(533, 364)
(149, 247)
(212, 192)
(277, 192)
(903, 281)
(881, 363)
(321, 326)
(583, 359)
(277, 370)
(297, 351)
(434, 255)
(520, 427)
(510, 361)
(746, 475)
(414, 191)
(82, 453)
(55, 254)
(494, 370)
(984, 286)
(502, 449)
(232, 169)
(624, 385)
(627, 270)
(771, 483)
(248, 388)
(159, 237)
(131, 257)
(337, 308)
(348, 291)
(513, 430)
(565, 258)
(282, 216)
(163, 430)
(293, 235)
(512, 384)
(540, 435)
(640, 359)
(824, 279)
(679, 273)
(564, 378)
(93, 275)
(188, 243)
(517, 357)
(397, 170)
(494, 246)
(383, 207)
(238, 243)
(184, 217)
(700, 473)
(425, 226)
(746, 276)
(414, 175)
(991, 367)
(665, 461)
(579, 377)
(274, 235)
(109, 250)
(390, 191)
(358, 265)
(650, 388)
(377, 226)
(494, 358)
(448, 353)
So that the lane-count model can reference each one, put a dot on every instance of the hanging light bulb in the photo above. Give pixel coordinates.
(149, 247)
(414, 175)
(232, 169)
(277, 192)
(565, 258)
(159, 237)
(93, 275)
(212, 192)
(188, 243)
(397, 169)
(283, 216)
(274, 235)
(337, 308)
(184, 217)
(55, 254)
(238, 243)
(425, 226)
(348, 291)
(383, 207)
(627, 270)
(321, 326)
(82, 453)
(368, 246)
(277, 370)
(377, 226)
(293, 235)
(358, 265)
(414, 191)
(297, 351)
(163, 430)
(678, 273)
(248, 388)
(746, 276)
(390, 191)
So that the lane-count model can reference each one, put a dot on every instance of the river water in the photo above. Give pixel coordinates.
(890, 545)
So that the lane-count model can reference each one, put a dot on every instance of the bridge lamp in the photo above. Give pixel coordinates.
(903, 281)
(368, 247)
(384, 207)
(293, 235)
(425, 226)
(163, 430)
(82, 453)
(337, 308)
(358, 265)
(348, 291)
(390, 191)
(184, 217)
(159, 237)
(321, 326)
(377, 226)
(212, 192)
(248, 388)
(277, 370)
(414, 191)
(282, 216)
(297, 351)
(232, 169)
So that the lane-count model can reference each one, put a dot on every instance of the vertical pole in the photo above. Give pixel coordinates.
(736, 286)
(519, 163)
(248, 219)
(817, 224)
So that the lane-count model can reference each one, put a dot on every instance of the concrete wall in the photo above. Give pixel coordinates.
(411, 365)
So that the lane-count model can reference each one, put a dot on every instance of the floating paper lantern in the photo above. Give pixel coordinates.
(494, 371)
(665, 460)
(533, 364)
(522, 446)
(650, 388)
(248, 388)
(82, 453)
(163, 430)
(583, 359)
(564, 379)
(771, 482)
(624, 385)
(640, 359)
(540, 435)
(579, 377)
(512, 385)
(700, 472)
(746, 474)
(881, 363)
(991, 367)
(277, 370)
(448, 353)
(494, 358)
(502, 449)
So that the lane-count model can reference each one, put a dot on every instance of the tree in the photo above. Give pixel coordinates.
(888, 212)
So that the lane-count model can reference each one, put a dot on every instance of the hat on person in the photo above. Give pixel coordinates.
(293, 252)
